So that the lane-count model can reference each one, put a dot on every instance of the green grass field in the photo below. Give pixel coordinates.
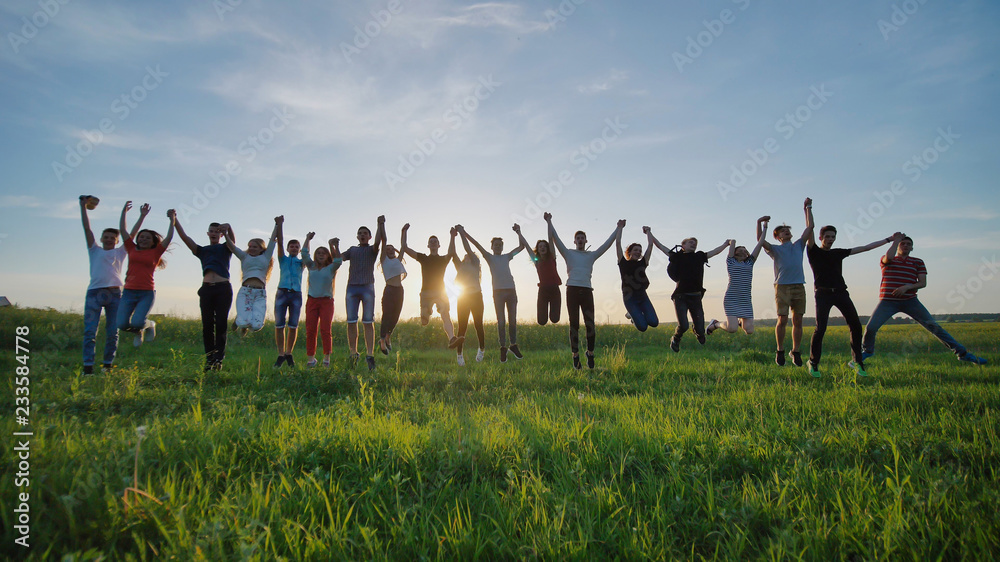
(712, 453)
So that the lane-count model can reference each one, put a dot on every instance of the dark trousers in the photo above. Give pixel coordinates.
(577, 299)
(471, 303)
(392, 305)
(215, 300)
(689, 303)
(549, 304)
(825, 300)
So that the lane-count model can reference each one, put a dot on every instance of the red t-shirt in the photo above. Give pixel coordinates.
(548, 275)
(897, 272)
(141, 264)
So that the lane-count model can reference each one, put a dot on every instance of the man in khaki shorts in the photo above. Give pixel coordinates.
(789, 283)
(432, 290)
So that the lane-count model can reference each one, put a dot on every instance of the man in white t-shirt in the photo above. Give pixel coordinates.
(105, 289)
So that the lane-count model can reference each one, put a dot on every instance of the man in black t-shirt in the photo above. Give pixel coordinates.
(432, 289)
(827, 264)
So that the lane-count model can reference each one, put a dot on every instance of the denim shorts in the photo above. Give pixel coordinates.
(287, 307)
(363, 295)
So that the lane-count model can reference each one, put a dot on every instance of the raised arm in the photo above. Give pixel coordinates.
(762, 232)
(232, 246)
(305, 249)
(654, 241)
(607, 243)
(809, 233)
(524, 243)
(121, 223)
(716, 251)
(402, 243)
(184, 237)
(170, 229)
(334, 244)
(280, 235)
(618, 244)
(467, 236)
(553, 236)
(732, 248)
(451, 245)
(143, 211)
(891, 252)
(875, 244)
(760, 242)
(380, 233)
(87, 232)
(649, 243)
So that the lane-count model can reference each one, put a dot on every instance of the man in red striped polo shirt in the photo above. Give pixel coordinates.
(902, 275)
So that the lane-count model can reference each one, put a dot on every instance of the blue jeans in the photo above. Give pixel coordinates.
(914, 309)
(641, 310)
(106, 299)
(287, 304)
(358, 295)
(134, 308)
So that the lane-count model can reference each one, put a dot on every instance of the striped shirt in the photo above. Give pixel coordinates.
(362, 270)
(737, 301)
(899, 271)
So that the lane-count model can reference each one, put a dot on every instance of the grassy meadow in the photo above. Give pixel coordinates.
(712, 453)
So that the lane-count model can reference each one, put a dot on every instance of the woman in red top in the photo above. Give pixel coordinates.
(144, 255)
(549, 297)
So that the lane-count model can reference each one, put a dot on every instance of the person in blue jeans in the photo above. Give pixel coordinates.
(632, 267)
(288, 299)
(145, 253)
(105, 289)
(902, 277)
(361, 290)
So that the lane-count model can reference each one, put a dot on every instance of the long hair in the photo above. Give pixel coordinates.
(270, 264)
(551, 254)
(157, 240)
(628, 250)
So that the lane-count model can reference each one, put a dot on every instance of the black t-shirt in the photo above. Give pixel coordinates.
(432, 271)
(691, 269)
(214, 257)
(633, 274)
(828, 266)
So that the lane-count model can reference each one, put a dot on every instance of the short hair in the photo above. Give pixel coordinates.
(579, 232)
(496, 239)
(294, 241)
(366, 228)
(433, 237)
(111, 230)
(214, 225)
(906, 238)
(779, 228)
(686, 239)
(826, 228)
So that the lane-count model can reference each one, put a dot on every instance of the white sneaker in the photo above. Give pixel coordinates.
(149, 332)
(138, 339)
(461, 360)
(480, 354)
(712, 326)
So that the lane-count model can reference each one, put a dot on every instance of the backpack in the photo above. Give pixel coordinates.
(674, 267)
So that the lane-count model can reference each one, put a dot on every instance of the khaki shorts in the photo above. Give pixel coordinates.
(430, 299)
(790, 296)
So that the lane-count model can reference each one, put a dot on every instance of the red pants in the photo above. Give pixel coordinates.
(319, 313)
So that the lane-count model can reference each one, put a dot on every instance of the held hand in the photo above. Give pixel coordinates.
(621, 223)
(808, 204)
(406, 227)
(460, 228)
(144, 209)
(171, 214)
(547, 217)
(334, 242)
(646, 230)
(279, 219)
(381, 219)
(83, 201)
(896, 237)
(309, 236)
(516, 228)
(224, 227)
(453, 232)
(764, 219)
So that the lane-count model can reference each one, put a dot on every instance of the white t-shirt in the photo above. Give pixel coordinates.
(106, 267)
(500, 269)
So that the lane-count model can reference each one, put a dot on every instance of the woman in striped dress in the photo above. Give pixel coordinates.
(738, 304)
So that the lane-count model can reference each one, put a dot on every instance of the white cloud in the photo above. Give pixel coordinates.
(604, 84)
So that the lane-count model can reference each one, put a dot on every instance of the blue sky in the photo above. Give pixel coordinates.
(594, 111)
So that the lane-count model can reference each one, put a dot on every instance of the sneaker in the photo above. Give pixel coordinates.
(796, 358)
(516, 352)
(371, 362)
(865, 355)
(107, 368)
(455, 341)
(858, 368)
(712, 326)
(480, 354)
(675, 344)
(326, 363)
(382, 347)
(970, 358)
(461, 360)
(354, 359)
(312, 362)
(149, 332)
(629, 318)
(289, 361)
(88, 369)
(503, 354)
(280, 361)
(576, 362)
(137, 341)
(779, 358)
(814, 370)
(590, 361)
(701, 338)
